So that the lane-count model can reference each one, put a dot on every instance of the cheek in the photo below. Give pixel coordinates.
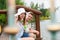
(21, 17)
(24, 15)
(27, 19)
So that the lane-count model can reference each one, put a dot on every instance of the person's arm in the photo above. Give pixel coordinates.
(34, 31)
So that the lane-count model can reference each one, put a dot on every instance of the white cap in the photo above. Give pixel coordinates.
(20, 11)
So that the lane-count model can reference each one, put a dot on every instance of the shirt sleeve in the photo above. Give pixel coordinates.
(21, 31)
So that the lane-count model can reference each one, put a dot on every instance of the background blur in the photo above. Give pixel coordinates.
(50, 15)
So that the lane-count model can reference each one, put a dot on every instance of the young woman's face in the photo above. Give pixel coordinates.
(29, 17)
(22, 15)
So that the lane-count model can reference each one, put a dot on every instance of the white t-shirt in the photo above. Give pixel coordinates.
(28, 26)
(21, 30)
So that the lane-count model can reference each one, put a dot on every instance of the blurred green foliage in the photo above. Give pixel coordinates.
(3, 4)
(45, 12)
(34, 6)
(19, 2)
(3, 19)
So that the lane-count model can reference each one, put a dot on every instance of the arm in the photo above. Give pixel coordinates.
(33, 31)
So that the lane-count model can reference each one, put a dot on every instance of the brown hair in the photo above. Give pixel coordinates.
(24, 20)
(18, 18)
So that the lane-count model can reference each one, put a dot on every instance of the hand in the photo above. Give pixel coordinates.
(37, 32)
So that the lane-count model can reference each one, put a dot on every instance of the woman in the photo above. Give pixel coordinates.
(19, 17)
